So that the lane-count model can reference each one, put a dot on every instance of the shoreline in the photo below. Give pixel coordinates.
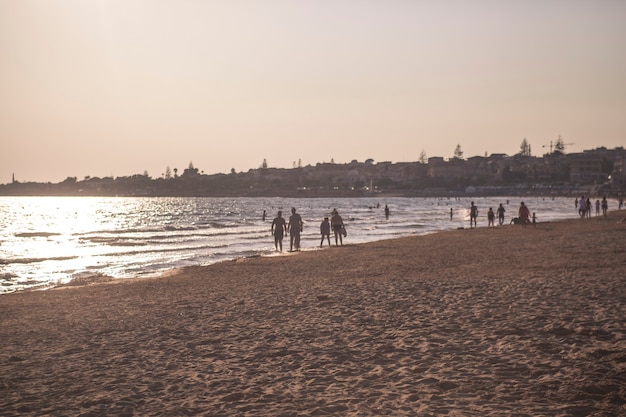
(486, 321)
(431, 216)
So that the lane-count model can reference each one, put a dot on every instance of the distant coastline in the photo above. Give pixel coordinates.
(60, 190)
(599, 171)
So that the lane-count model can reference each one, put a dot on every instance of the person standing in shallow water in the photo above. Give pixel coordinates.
(524, 214)
(279, 227)
(325, 231)
(501, 214)
(473, 214)
(295, 227)
(491, 217)
(605, 206)
(336, 223)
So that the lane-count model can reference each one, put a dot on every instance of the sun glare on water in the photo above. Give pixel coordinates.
(50, 231)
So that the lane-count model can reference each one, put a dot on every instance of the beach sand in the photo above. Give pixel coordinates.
(516, 321)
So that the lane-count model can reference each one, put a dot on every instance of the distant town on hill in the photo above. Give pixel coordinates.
(597, 171)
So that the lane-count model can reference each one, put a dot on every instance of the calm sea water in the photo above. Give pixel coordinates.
(46, 241)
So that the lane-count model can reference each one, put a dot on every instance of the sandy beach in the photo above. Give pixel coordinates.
(516, 321)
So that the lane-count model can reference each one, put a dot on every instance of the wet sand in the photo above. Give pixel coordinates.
(523, 321)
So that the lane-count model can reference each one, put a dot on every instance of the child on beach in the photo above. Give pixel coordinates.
(491, 217)
(325, 231)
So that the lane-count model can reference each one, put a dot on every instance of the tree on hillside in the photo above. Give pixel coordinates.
(423, 158)
(191, 171)
(524, 149)
(458, 153)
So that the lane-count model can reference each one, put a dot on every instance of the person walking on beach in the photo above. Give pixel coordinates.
(295, 227)
(336, 223)
(524, 214)
(491, 217)
(279, 227)
(605, 206)
(325, 231)
(582, 208)
(473, 214)
(501, 214)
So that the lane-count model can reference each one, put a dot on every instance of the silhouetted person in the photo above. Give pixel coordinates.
(524, 214)
(501, 214)
(473, 214)
(582, 207)
(491, 217)
(295, 228)
(386, 211)
(605, 206)
(336, 223)
(325, 231)
(279, 227)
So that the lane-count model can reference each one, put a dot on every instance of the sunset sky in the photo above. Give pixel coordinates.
(119, 87)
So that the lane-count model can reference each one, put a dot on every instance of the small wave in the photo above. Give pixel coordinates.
(120, 231)
(127, 243)
(216, 225)
(37, 234)
(178, 228)
(114, 241)
(165, 250)
(86, 279)
(34, 260)
(7, 280)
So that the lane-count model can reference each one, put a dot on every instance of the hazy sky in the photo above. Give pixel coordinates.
(119, 87)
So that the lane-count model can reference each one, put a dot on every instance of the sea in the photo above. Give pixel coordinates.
(51, 241)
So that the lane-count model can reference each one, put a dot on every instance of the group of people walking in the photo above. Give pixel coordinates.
(295, 226)
(523, 214)
(585, 206)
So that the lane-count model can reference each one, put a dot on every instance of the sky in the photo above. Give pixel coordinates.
(121, 87)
